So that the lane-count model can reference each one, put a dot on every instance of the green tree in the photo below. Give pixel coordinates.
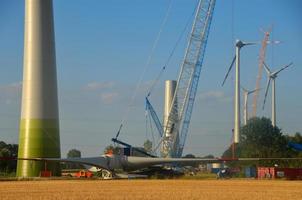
(189, 156)
(74, 153)
(209, 156)
(259, 139)
(8, 151)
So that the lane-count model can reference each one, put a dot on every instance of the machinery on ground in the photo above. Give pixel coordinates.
(108, 165)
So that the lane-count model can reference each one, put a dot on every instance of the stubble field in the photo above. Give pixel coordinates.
(151, 189)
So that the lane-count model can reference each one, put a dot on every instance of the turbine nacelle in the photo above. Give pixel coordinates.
(249, 91)
(239, 44)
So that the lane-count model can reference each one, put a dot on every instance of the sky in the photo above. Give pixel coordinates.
(102, 48)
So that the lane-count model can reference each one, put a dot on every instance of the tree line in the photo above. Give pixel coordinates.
(8, 151)
(260, 139)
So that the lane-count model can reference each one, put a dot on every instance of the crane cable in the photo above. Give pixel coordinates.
(145, 68)
(155, 82)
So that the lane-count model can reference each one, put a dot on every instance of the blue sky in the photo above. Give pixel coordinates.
(103, 46)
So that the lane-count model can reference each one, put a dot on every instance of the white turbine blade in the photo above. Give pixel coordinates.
(283, 68)
(243, 88)
(226, 76)
(268, 71)
(266, 91)
(273, 42)
(250, 43)
(250, 92)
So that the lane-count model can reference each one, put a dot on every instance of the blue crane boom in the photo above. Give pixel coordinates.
(177, 126)
(154, 116)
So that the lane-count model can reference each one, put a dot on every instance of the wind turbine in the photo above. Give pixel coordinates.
(246, 94)
(239, 45)
(272, 76)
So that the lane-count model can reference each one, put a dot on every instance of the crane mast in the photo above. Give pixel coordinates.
(177, 126)
(260, 67)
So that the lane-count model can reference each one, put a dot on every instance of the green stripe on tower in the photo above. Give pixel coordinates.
(38, 138)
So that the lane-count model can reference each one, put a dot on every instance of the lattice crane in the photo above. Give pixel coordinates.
(260, 67)
(173, 134)
(177, 126)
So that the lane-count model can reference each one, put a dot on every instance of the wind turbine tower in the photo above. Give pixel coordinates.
(236, 59)
(39, 125)
(272, 77)
(246, 94)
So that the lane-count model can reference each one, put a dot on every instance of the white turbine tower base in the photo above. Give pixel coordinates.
(246, 94)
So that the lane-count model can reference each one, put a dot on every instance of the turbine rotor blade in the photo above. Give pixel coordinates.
(273, 42)
(226, 76)
(283, 68)
(266, 91)
(243, 88)
(250, 92)
(268, 71)
(250, 43)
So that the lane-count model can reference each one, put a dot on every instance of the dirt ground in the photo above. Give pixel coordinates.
(151, 189)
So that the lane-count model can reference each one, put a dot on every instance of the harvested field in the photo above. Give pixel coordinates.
(151, 189)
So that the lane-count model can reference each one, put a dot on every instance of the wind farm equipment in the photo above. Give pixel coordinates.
(246, 94)
(272, 76)
(177, 125)
(239, 45)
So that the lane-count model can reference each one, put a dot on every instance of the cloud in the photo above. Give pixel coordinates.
(214, 96)
(99, 85)
(109, 98)
(11, 88)
(10, 93)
